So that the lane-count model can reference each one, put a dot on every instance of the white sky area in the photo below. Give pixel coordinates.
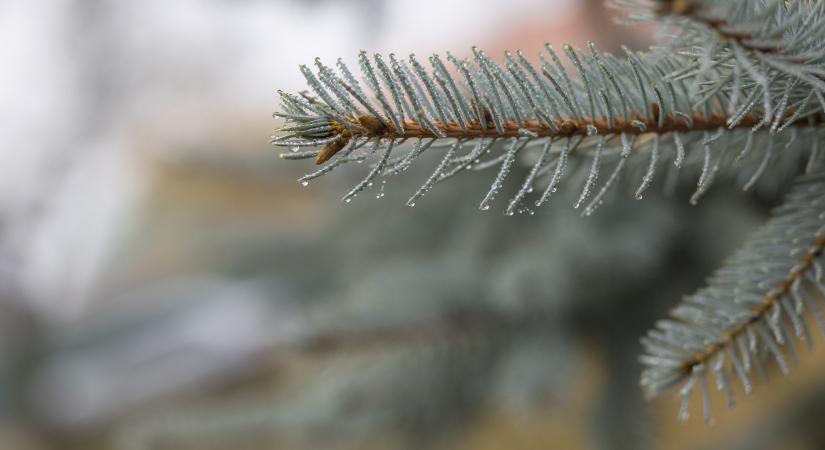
(79, 92)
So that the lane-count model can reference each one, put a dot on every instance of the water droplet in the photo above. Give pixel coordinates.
(305, 183)
(411, 205)
(348, 200)
(485, 207)
(295, 149)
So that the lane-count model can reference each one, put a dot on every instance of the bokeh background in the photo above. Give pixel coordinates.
(166, 284)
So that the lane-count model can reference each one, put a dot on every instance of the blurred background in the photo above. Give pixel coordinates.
(166, 284)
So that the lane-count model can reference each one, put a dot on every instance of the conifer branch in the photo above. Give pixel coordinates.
(616, 105)
(753, 307)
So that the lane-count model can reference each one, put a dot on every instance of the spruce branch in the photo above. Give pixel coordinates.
(610, 111)
(753, 307)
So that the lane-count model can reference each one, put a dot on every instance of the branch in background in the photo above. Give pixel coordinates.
(776, 43)
(751, 24)
(457, 326)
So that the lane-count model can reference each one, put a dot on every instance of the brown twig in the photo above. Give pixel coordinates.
(371, 128)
